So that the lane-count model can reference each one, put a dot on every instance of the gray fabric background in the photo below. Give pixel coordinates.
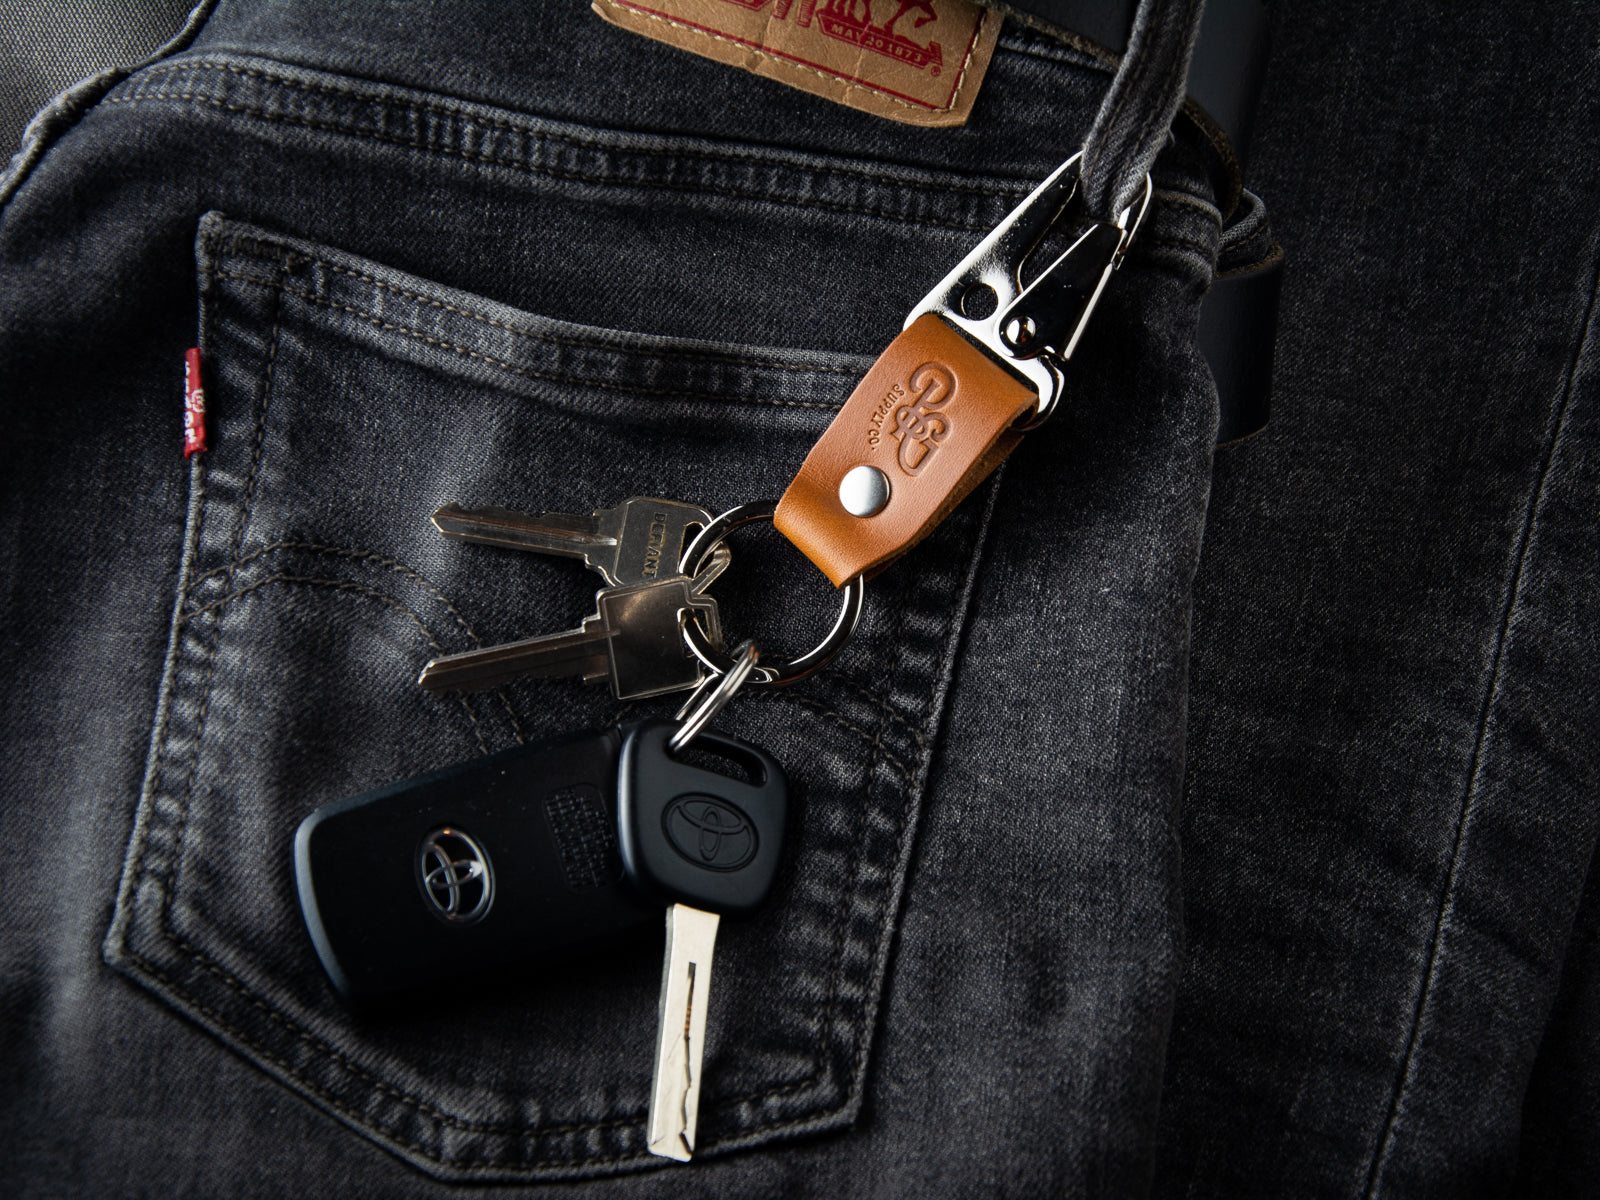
(46, 46)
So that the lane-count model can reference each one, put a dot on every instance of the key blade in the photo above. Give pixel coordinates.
(680, 1038)
(582, 652)
(592, 538)
(721, 558)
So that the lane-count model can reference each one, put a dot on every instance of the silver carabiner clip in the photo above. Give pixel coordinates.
(1033, 330)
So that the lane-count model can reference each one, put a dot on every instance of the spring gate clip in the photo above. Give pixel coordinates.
(981, 361)
(1033, 330)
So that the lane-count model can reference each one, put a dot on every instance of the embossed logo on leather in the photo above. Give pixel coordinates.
(921, 426)
(851, 21)
(944, 411)
(917, 61)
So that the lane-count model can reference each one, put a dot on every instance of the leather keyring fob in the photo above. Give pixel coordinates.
(933, 417)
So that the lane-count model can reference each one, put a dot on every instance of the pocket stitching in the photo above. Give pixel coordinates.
(554, 377)
(528, 128)
(264, 251)
(946, 637)
(841, 925)
(253, 473)
(838, 1008)
(238, 987)
(838, 718)
(366, 557)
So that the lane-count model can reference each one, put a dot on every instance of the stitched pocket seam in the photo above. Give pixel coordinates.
(840, 1022)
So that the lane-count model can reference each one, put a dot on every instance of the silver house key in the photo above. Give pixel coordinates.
(634, 640)
(638, 541)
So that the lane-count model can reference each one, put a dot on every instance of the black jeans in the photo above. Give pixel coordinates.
(524, 258)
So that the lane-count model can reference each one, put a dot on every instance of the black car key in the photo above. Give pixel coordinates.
(706, 843)
(482, 864)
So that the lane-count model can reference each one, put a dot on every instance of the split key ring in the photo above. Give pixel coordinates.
(772, 671)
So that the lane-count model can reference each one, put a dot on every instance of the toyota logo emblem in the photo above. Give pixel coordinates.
(712, 834)
(457, 880)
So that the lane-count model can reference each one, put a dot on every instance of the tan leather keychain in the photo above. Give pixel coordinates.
(979, 363)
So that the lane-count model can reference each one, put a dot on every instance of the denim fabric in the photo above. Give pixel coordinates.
(509, 254)
(45, 48)
(1391, 798)
(33, 75)
(427, 262)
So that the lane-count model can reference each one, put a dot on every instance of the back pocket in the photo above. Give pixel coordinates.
(348, 401)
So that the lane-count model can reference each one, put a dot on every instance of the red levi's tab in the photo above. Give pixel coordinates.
(194, 405)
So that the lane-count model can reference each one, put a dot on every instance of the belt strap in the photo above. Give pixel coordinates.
(1239, 316)
(1238, 324)
(1229, 59)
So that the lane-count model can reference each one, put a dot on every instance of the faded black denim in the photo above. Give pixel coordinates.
(519, 257)
(478, 273)
(1393, 777)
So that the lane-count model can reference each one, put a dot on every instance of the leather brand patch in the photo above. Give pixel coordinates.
(916, 61)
